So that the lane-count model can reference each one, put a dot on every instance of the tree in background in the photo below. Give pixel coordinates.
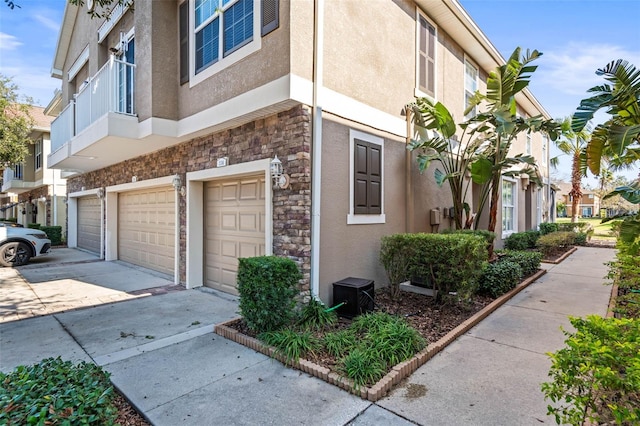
(15, 124)
(573, 144)
(485, 140)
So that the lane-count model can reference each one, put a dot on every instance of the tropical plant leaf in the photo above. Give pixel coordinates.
(631, 193)
(481, 171)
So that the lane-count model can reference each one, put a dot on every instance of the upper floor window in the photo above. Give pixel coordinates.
(470, 86)
(38, 154)
(426, 57)
(217, 33)
(366, 188)
(528, 147)
(18, 171)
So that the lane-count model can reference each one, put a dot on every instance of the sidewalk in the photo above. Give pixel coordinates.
(163, 356)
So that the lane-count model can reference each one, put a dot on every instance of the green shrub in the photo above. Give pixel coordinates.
(363, 366)
(33, 225)
(452, 261)
(57, 392)
(625, 271)
(314, 316)
(529, 261)
(54, 233)
(596, 377)
(573, 227)
(291, 344)
(521, 240)
(487, 235)
(12, 219)
(339, 343)
(267, 287)
(500, 277)
(555, 242)
(548, 227)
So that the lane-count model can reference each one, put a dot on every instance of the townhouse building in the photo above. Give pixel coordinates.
(32, 192)
(201, 131)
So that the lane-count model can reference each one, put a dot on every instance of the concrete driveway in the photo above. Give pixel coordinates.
(69, 279)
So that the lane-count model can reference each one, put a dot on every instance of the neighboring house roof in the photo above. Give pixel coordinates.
(42, 122)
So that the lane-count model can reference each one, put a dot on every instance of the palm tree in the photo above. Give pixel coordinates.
(573, 144)
(619, 137)
(483, 147)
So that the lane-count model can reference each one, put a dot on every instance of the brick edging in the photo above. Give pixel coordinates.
(561, 258)
(612, 301)
(399, 372)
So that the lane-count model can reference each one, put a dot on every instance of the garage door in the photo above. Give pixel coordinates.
(146, 228)
(234, 228)
(89, 224)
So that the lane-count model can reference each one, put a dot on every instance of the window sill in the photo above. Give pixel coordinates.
(365, 219)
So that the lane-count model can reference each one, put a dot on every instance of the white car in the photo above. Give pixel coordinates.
(18, 245)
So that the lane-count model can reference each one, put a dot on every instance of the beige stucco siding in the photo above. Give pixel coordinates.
(271, 62)
(352, 250)
(371, 63)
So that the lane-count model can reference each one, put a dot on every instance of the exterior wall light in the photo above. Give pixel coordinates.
(100, 193)
(280, 179)
(177, 185)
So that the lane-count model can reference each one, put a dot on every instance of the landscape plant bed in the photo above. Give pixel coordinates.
(439, 324)
(560, 256)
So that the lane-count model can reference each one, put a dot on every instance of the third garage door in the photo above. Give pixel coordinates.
(146, 228)
(234, 228)
(89, 224)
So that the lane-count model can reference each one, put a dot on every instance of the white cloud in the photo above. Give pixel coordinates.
(48, 22)
(9, 42)
(570, 69)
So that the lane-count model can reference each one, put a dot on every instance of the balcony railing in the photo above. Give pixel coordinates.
(110, 90)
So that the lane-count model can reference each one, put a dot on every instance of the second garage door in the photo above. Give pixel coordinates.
(146, 228)
(234, 228)
(89, 224)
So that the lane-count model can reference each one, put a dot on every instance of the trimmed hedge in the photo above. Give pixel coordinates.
(54, 233)
(548, 227)
(574, 227)
(522, 240)
(500, 277)
(33, 225)
(529, 261)
(487, 235)
(452, 261)
(555, 242)
(268, 286)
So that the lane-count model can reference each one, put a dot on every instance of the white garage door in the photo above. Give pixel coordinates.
(89, 224)
(234, 227)
(146, 228)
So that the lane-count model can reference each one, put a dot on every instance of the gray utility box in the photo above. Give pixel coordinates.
(358, 295)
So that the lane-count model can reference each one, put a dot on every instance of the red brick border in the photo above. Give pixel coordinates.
(398, 372)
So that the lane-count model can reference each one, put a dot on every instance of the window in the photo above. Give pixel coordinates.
(590, 196)
(221, 26)
(216, 33)
(426, 57)
(470, 87)
(528, 147)
(587, 211)
(38, 154)
(508, 206)
(366, 186)
(18, 171)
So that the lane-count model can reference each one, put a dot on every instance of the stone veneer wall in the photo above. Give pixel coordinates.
(286, 134)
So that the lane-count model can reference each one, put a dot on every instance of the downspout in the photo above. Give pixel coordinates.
(316, 146)
(409, 204)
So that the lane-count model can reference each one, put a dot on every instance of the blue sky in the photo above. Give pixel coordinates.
(576, 38)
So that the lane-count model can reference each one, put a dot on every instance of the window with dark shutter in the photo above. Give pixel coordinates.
(184, 42)
(367, 185)
(427, 57)
(270, 15)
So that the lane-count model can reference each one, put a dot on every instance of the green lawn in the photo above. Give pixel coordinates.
(601, 231)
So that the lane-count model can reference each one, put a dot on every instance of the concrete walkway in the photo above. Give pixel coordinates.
(162, 354)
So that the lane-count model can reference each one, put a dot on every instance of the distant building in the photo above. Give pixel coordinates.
(588, 206)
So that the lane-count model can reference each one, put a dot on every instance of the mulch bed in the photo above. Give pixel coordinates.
(127, 415)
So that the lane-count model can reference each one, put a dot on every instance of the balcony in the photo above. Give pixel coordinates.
(13, 181)
(100, 120)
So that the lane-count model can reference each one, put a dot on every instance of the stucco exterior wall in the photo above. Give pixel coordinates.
(352, 250)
